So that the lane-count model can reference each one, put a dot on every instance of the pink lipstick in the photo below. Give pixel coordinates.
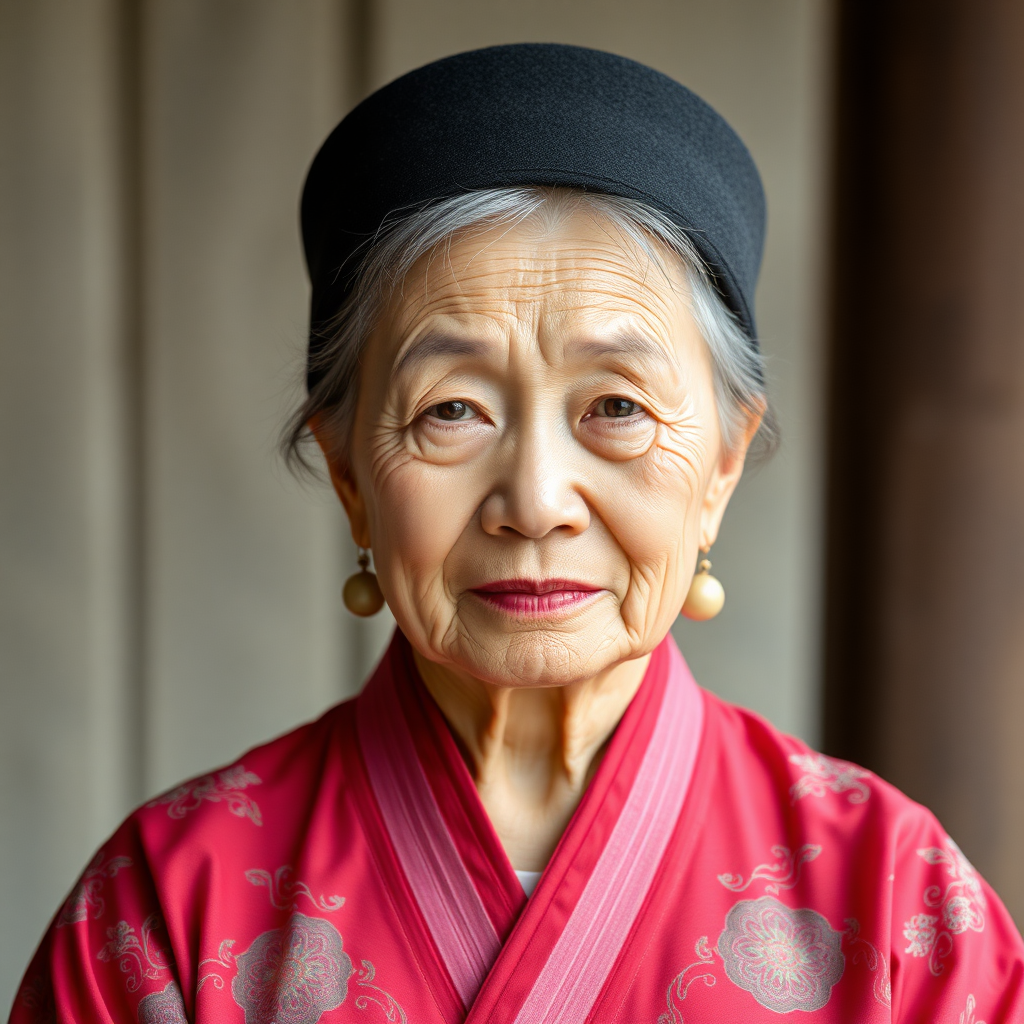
(535, 598)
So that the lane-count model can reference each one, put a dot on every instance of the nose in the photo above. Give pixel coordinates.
(538, 491)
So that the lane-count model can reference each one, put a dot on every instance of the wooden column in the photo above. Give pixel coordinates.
(925, 619)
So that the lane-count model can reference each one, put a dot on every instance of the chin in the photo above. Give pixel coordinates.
(540, 657)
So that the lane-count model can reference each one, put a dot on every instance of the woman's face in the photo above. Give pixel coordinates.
(536, 456)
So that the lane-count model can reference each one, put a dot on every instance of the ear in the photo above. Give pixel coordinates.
(724, 478)
(345, 484)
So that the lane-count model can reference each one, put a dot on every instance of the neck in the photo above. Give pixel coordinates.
(532, 750)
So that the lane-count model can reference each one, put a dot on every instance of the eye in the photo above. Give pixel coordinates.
(452, 412)
(617, 408)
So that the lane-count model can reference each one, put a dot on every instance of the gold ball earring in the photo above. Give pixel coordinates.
(361, 593)
(706, 595)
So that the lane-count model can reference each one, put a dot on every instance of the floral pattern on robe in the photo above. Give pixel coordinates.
(790, 884)
(293, 974)
(786, 959)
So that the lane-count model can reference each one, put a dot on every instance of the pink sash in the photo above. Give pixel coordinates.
(445, 893)
(568, 981)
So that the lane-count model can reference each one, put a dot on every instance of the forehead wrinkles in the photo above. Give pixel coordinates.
(524, 275)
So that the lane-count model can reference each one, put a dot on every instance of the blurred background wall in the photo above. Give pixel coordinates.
(168, 595)
(924, 669)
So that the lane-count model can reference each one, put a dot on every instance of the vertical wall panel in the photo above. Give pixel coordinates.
(169, 594)
(765, 67)
(244, 565)
(926, 596)
(65, 651)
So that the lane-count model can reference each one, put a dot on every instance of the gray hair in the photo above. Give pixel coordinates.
(737, 365)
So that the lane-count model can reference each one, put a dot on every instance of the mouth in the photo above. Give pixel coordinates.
(525, 598)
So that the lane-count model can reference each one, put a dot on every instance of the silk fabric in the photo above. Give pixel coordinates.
(715, 870)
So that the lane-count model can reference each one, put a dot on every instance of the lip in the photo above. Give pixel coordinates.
(525, 598)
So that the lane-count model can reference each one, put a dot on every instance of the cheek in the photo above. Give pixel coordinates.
(665, 486)
(655, 515)
(417, 514)
(650, 511)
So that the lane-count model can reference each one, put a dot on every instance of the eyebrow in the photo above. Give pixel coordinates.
(628, 344)
(436, 343)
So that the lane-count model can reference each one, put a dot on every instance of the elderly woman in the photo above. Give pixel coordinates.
(533, 374)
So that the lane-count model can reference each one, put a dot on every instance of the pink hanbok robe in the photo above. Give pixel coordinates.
(347, 872)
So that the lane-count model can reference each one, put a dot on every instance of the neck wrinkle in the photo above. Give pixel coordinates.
(532, 751)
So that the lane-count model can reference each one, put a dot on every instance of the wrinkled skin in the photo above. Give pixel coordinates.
(536, 403)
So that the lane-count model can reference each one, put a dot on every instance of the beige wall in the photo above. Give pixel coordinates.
(168, 595)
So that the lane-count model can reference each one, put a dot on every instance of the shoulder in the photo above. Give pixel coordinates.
(889, 865)
(270, 783)
(895, 847)
(836, 793)
(185, 860)
(255, 803)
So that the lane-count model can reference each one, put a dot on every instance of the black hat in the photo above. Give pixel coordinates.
(533, 114)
